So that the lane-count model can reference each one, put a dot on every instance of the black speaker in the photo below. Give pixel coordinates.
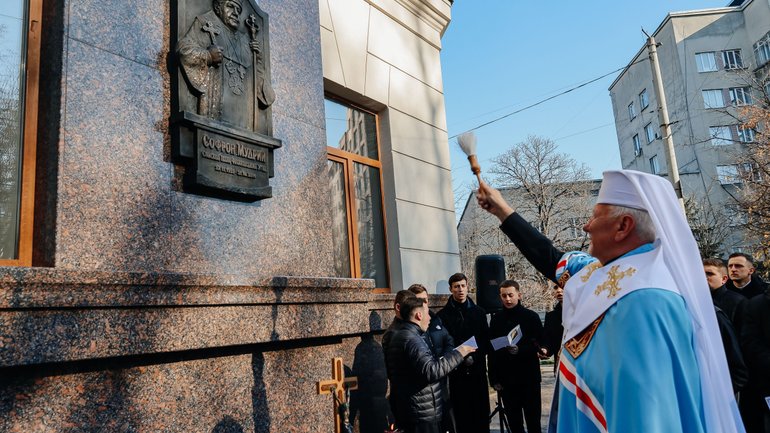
(490, 272)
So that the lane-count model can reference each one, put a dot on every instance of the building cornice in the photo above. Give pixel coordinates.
(428, 19)
(437, 13)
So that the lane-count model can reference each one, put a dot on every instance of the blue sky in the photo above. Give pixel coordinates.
(501, 55)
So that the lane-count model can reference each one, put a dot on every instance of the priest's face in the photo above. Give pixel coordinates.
(601, 229)
(229, 12)
(460, 290)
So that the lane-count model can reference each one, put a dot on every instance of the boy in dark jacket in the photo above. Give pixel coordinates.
(440, 343)
(415, 373)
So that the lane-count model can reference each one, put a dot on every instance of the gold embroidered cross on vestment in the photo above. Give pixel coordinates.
(613, 278)
(591, 268)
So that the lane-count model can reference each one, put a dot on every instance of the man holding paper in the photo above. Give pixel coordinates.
(468, 383)
(514, 367)
(414, 371)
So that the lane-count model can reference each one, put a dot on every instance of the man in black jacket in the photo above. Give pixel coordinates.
(440, 343)
(414, 372)
(732, 303)
(468, 387)
(744, 283)
(514, 371)
(730, 308)
(397, 323)
(401, 295)
(755, 340)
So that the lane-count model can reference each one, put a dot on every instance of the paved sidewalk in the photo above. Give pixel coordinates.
(546, 390)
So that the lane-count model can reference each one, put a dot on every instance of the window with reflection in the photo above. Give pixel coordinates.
(19, 55)
(358, 226)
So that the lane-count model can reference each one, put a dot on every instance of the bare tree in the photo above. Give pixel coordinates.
(710, 226)
(550, 181)
(551, 191)
(754, 164)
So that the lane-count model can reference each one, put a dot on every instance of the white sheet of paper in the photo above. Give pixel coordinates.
(499, 342)
(471, 342)
(509, 340)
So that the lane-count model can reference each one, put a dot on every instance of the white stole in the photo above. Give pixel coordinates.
(596, 288)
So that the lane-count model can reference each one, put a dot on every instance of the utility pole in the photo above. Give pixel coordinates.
(665, 124)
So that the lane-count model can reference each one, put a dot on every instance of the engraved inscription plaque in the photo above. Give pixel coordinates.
(221, 121)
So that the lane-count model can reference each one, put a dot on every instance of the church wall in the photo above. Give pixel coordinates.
(154, 309)
(116, 175)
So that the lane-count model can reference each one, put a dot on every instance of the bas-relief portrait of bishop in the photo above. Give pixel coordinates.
(221, 56)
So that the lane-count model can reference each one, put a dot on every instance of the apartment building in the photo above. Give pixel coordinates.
(711, 61)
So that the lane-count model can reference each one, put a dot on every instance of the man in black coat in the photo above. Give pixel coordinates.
(733, 304)
(755, 340)
(415, 373)
(440, 343)
(743, 282)
(514, 371)
(742, 278)
(468, 387)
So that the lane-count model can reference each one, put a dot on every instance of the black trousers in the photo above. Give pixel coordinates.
(752, 406)
(522, 399)
(470, 403)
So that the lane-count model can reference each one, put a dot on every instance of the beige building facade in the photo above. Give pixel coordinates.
(383, 56)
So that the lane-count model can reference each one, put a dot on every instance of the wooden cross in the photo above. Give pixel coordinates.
(337, 385)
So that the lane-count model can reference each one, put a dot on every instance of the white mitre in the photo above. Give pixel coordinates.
(617, 189)
(655, 195)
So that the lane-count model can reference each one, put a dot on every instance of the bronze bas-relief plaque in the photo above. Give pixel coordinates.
(222, 123)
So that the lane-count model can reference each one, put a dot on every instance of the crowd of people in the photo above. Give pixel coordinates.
(638, 343)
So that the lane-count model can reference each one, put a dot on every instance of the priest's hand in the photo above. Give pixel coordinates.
(493, 202)
(215, 55)
(255, 47)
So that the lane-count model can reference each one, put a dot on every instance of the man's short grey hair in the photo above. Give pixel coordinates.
(645, 228)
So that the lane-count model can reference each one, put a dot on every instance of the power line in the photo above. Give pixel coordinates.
(584, 131)
(549, 98)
